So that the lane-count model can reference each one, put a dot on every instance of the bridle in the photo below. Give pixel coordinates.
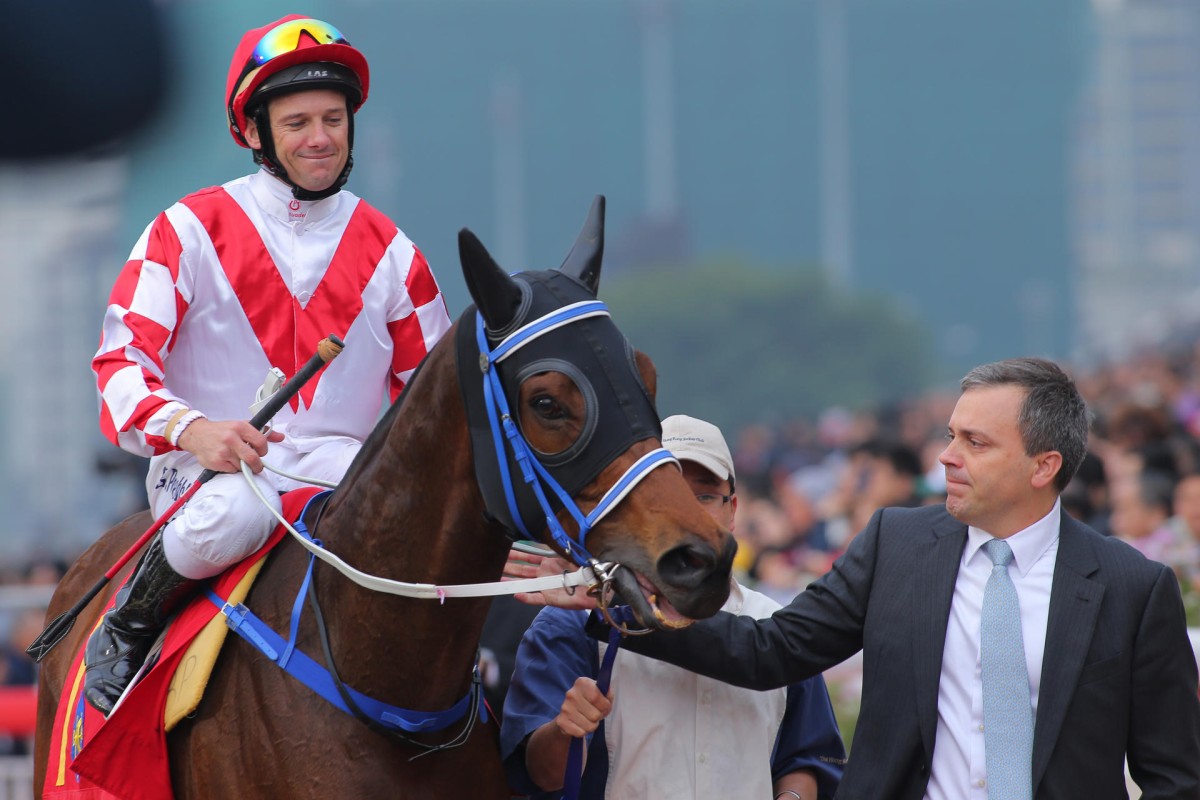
(535, 477)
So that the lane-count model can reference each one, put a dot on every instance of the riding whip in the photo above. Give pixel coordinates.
(327, 350)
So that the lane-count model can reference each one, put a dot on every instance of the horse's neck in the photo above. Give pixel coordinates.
(410, 510)
(411, 503)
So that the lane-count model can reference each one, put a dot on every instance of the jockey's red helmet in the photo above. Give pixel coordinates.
(290, 54)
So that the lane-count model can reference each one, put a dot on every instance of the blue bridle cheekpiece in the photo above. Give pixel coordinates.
(533, 473)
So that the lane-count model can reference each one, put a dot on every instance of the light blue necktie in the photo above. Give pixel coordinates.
(1007, 710)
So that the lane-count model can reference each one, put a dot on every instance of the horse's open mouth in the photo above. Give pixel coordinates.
(665, 613)
(649, 605)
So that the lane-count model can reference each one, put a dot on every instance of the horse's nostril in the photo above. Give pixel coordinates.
(687, 565)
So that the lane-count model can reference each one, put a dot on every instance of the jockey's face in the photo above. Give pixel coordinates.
(311, 133)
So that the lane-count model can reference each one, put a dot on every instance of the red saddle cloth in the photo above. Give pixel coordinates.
(125, 756)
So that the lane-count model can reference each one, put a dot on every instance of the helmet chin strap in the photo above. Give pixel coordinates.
(266, 158)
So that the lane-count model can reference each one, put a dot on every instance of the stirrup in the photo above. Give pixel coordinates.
(147, 664)
(103, 686)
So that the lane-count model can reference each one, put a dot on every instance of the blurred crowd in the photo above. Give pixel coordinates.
(24, 592)
(807, 487)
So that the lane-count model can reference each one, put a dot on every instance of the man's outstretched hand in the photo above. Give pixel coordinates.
(528, 565)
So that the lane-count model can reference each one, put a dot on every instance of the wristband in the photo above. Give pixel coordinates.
(794, 794)
(178, 423)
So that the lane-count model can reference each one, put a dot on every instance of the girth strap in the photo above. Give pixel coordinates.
(319, 678)
(316, 677)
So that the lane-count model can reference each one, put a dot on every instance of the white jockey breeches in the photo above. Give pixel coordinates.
(225, 521)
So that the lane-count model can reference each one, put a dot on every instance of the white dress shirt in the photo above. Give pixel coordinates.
(958, 771)
(665, 715)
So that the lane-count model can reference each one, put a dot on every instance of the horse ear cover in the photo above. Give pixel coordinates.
(583, 262)
(497, 295)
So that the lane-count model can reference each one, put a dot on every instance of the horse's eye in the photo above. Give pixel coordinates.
(547, 407)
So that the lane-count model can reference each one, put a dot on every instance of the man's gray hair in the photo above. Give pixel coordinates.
(1053, 415)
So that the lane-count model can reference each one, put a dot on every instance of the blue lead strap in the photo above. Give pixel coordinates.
(574, 773)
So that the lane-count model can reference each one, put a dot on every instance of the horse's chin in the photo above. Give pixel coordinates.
(650, 606)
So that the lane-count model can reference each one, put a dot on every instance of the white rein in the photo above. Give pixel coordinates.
(583, 576)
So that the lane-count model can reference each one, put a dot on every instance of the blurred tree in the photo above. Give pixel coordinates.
(737, 344)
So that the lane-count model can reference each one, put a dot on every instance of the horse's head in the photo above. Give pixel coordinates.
(561, 407)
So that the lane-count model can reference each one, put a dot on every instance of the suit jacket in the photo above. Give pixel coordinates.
(1118, 675)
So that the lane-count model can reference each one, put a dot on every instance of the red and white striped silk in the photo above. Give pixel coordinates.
(235, 279)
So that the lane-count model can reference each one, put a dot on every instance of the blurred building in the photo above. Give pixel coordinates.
(1136, 177)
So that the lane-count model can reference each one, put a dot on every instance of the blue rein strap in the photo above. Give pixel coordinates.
(317, 677)
(574, 774)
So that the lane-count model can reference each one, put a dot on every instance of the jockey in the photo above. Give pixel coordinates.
(231, 281)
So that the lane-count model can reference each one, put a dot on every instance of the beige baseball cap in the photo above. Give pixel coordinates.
(691, 439)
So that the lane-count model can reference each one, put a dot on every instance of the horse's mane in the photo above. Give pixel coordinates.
(378, 435)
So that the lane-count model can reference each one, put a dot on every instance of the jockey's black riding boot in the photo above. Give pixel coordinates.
(118, 647)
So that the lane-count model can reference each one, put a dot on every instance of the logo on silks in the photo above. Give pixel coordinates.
(594, 354)
(77, 733)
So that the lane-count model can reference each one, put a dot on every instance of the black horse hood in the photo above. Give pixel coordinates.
(594, 354)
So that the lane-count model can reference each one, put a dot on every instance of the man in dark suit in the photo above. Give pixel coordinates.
(1109, 673)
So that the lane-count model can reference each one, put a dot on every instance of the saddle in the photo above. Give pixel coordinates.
(191, 675)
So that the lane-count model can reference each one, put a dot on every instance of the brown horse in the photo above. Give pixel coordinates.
(419, 505)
